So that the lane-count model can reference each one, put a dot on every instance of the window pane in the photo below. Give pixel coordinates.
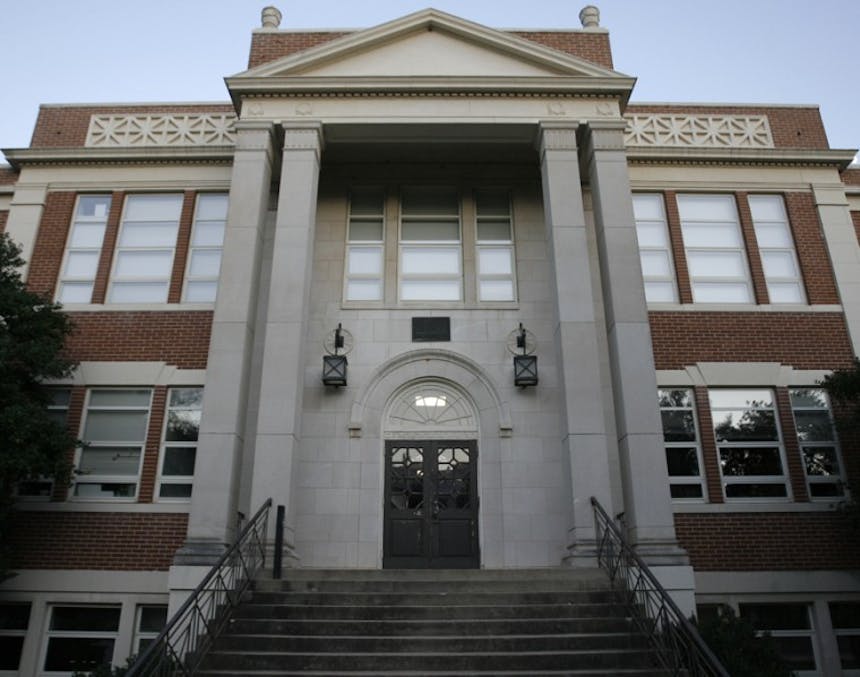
(845, 615)
(105, 490)
(430, 231)
(785, 292)
(205, 263)
(648, 207)
(813, 426)
(175, 491)
(682, 462)
(821, 461)
(78, 654)
(808, 398)
(201, 292)
(737, 399)
(191, 398)
(660, 292)
(650, 234)
(114, 426)
(749, 425)
(492, 202)
(152, 618)
(498, 231)
(139, 264)
(756, 491)
(364, 290)
(88, 619)
(212, 207)
(179, 461)
(773, 235)
(365, 261)
(183, 426)
(849, 651)
(685, 490)
(430, 201)
(655, 263)
(93, 207)
(767, 208)
(796, 652)
(82, 264)
(678, 426)
(109, 461)
(496, 290)
(674, 398)
(439, 290)
(365, 231)
(14, 616)
(153, 207)
(75, 292)
(825, 489)
(495, 261)
(146, 234)
(366, 202)
(209, 234)
(750, 461)
(433, 261)
(778, 264)
(87, 235)
(10, 651)
(716, 264)
(139, 292)
(119, 398)
(707, 207)
(721, 292)
(712, 235)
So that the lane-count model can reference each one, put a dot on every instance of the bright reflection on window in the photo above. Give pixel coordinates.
(430, 401)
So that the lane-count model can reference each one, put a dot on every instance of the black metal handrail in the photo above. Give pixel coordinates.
(183, 643)
(678, 644)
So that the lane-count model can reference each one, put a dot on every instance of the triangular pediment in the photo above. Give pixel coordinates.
(428, 44)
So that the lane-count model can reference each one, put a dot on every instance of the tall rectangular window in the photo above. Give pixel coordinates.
(80, 638)
(179, 452)
(748, 442)
(791, 629)
(204, 255)
(817, 438)
(845, 618)
(776, 246)
(114, 434)
(655, 253)
(150, 619)
(14, 619)
(365, 249)
(681, 439)
(83, 249)
(430, 245)
(147, 242)
(495, 246)
(715, 249)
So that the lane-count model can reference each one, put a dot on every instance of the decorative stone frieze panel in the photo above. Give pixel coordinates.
(699, 131)
(110, 131)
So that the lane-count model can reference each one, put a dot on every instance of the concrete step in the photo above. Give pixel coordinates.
(438, 597)
(614, 672)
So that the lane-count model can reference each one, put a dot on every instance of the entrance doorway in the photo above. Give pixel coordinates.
(431, 505)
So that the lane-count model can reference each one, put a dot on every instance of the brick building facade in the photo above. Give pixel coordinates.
(686, 275)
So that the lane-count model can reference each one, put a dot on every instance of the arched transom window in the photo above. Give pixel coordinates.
(431, 408)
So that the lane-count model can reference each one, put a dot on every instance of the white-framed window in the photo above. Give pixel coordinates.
(114, 435)
(845, 619)
(791, 629)
(819, 447)
(751, 454)
(41, 487)
(494, 246)
(80, 638)
(143, 263)
(655, 251)
(716, 254)
(204, 253)
(179, 450)
(431, 260)
(776, 246)
(83, 249)
(149, 620)
(364, 279)
(682, 441)
(14, 620)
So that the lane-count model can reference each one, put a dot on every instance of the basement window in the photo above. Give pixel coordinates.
(14, 619)
(81, 638)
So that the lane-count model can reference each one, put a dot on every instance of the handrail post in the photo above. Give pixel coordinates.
(279, 543)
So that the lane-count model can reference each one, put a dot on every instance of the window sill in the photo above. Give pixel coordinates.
(430, 305)
(744, 308)
(105, 505)
(776, 505)
(135, 307)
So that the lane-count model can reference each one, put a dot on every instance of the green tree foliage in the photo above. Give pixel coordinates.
(32, 334)
(740, 650)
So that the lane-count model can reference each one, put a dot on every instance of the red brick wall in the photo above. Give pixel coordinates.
(811, 249)
(66, 126)
(803, 340)
(180, 338)
(149, 469)
(183, 237)
(96, 540)
(8, 176)
(753, 254)
(594, 47)
(761, 541)
(851, 177)
(4, 217)
(855, 217)
(51, 242)
(799, 127)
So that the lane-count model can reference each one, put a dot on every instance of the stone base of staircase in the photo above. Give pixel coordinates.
(425, 622)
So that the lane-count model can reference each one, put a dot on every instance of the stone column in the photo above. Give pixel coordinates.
(841, 238)
(283, 372)
(647, 504)
(577, 337)
(213, 515)
(25, 215)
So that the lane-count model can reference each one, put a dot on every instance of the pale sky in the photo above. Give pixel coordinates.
(744, 51)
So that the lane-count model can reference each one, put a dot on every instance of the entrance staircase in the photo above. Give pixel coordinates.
(425, 622)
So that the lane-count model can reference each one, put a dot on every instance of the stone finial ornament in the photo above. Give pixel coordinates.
(590, 17)
(271, 18)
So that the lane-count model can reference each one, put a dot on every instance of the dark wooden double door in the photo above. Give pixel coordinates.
(431, 505)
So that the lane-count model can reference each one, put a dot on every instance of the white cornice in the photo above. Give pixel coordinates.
(782, 156)
(155, 155)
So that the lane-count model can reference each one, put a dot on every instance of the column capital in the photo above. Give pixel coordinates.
(255, 135)
(303, 136)
(556, 135)
(605, 135)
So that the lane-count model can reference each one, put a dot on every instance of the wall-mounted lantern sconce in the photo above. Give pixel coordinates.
(334, 364)
(522, 343)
